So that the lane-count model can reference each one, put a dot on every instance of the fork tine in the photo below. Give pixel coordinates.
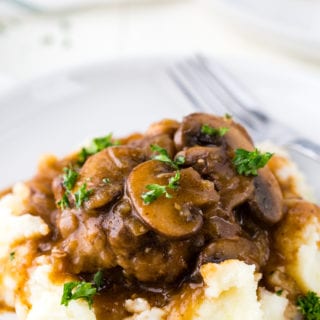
(221, 92)
(234, 88)
(191, 86)
(211, 93)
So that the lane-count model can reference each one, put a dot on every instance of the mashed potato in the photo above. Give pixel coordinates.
(44, 299)
(297, 239)
(229, 286)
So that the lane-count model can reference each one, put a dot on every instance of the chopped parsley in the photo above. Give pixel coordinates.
(82, 195)
(206, 129)
(309, 306)
(106, 180)
(12, 255)
(69, 178)
(96, 145)
(163, 156)
(228, 116)
(98, 279)
(174, 181)
(157, 190)
(78, 290)
(82, 290)
(248, 162)
(64, 203)
(279, 292)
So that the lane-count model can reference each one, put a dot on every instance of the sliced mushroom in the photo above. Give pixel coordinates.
(176, 217)
(189, 133)
(165, 126)
(235, 248)
(205, 160)
(266, 204)
(105, 173)
(214, 162)
(163, 141)
(130, 138)
(219, 227)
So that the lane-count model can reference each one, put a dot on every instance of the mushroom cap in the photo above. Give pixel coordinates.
(189, 133)
(114, 164)
(267, 199)
(165, 126)
(233, 248)
(176, 217)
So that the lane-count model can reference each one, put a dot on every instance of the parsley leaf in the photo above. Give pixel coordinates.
(163, 156)
(248, 162)
(96, 145)
(82, 195)
(228, 116)
(206, 129)
(157, 190)
(12, 255)
(309, 306)
(98, 279)
(83, 156)
(106, 180)
(174, 181)
(78, 290)
(64, 203)
(180, 160)
(69, 178)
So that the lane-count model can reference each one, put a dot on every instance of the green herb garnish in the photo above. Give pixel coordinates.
(82, 195)
(96, 145)
(279, 292)
(12, 255)
(98, 279)
(106, 180)
(309, 306)
(78, 290)
(157, 190)
(228, 116)
(174, 181)
(69, 178)
(64, 203)
(163, 156)
(206, 129)
(248, 162)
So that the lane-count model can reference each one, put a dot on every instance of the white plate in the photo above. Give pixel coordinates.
(291, 24)
(57, 113)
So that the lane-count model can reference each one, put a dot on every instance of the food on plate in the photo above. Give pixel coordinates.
(187, 221)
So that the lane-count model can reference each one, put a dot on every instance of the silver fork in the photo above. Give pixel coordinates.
(210, 88)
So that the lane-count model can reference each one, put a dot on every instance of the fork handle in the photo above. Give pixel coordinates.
(306, 147)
